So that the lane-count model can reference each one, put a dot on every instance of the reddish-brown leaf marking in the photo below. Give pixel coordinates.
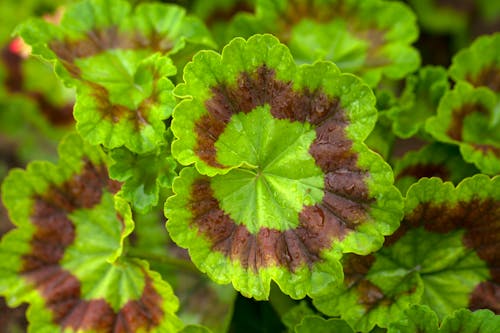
(60, 289)
(346, 197)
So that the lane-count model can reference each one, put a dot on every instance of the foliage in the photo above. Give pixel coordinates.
(295, 166)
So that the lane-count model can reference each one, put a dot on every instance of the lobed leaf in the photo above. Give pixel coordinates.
(420, 318)
(63, 257)
(442, 255)
(433, 160)
(466, 117)
(282, 183)
(143, 175)
(419, 101)
(116, 58)
(479, 64)
(369, 38)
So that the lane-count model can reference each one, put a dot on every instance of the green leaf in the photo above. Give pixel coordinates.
(291, 184)
(444, 249)
(372, 293)
(465, 118)
(143, 175)
(126, 110)
(433, 160)
(420, 318)
(117, 59)
(369, 38)
(64, 256)
(316, 324)
(419, 100)
(479, 64)
(465, 219)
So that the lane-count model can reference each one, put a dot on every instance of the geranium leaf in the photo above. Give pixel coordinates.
(465, 118)
(369, 38)
(292, 184)
(419, 100)
(433, 160)
(371, 295)
(143, 175)
(444, 250)
(479, 64)
(420, 318)
(64, 256)
(117, 59)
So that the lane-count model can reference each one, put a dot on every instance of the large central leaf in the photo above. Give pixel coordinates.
(282, 183)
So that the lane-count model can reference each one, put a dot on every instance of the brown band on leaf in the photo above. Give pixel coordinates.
(481, 221)
(60, 289)
(356, 267)
(458, 117)
(346, 199)
(486, 295)
(291, 248)
(98, 41)
(486, 149)
(488, 77)
(425, 170)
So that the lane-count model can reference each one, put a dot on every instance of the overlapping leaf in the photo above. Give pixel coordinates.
(468, 117)
(419, 101)
(479, 64)
(116, 58)
(370, 38)
(143, 175)
(434, 160)
(64, 256)
(420, 318)
(445, 255)
(283, 183)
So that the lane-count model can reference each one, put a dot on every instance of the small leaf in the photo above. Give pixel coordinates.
(291, 184)
(433, 160)
(479, 64)
(420, 318)
(419, 100)
(465, 118)
(143, 175)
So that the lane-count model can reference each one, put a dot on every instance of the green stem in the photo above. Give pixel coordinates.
(184, 265)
